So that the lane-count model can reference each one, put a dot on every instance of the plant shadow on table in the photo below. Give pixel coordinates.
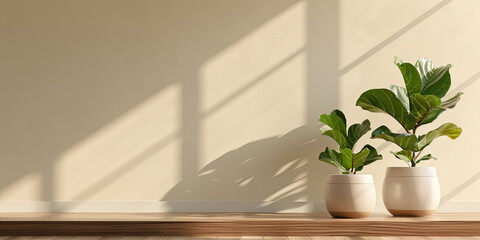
(260, 174)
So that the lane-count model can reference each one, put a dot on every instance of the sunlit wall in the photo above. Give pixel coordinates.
(214, 101)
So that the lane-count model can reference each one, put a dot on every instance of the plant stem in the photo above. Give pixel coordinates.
(415, 156)
(418, 155)
(403, 127)
(421, 119)
(352, 163)
(413, 159)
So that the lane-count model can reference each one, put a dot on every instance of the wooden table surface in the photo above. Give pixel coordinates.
(235, 224)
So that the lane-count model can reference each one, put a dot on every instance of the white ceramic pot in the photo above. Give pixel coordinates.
(411, 191)
(351, 196)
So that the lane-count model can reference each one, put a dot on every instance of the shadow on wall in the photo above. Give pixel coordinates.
(273, 170)
(97, 63)
(102, 60)
(85, 73)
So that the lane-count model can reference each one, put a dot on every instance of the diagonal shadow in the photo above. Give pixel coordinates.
(251, 84)
(119, 171)
(190, 135)
(460, 188)
(132, 163)
(322, 86)
(464, 85)
(394, 36)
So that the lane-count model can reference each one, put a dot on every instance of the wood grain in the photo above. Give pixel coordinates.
(242, 224)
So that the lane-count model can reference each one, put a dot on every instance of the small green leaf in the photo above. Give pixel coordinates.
(406, 141)
(438, 82)
(371, 158)
(337, 136)
(384, 100)
(424, 66)
(401, 94)
(372, 155)
(332, 157)
(422, 105)
(359, 158)
(356, 131)
(450, 103)
(403, 155)
(397, 61)
(346, 157)
(448, 129)
(436, 111)
(334, 121)
(426, 157)
(410, 75)
(340, 115)
(432, 115)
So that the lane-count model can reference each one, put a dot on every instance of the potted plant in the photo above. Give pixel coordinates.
(413, 191)
(348, 194)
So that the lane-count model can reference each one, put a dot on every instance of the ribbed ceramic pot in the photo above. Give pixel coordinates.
(350, 196)
(411, 191)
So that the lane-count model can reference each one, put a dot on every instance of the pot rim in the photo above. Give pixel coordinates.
(411, 172)
(350, 178)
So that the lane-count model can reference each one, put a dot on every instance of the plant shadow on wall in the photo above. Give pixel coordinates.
(277, 169)
(104, 98)
(272, 169)
(86, 96)
(75, 116)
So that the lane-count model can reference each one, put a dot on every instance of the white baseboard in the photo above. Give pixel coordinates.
(155, 207)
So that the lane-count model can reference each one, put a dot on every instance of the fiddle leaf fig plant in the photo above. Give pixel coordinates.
(346, 160)
(418, 103)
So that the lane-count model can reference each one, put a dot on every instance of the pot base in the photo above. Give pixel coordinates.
(411, 213)
(349, 214)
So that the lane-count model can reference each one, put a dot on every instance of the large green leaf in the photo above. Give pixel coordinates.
(401, 94)
(332, 157)
(384, 100)
(448, 129)
(372, 157)
(424, 66)
(356, 131)
(410, 75)
(422, 105)
(450, 103)
(406, 141)
(438, 82)
(348, 157)
(335, 121)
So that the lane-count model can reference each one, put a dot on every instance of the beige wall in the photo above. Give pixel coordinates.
(213, 101)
